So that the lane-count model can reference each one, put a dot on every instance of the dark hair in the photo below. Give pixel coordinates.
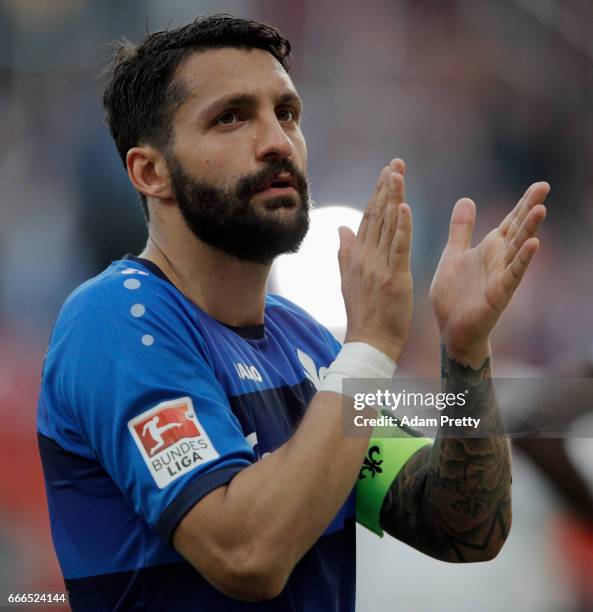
(140, 96)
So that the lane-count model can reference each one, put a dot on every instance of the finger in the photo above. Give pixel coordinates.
(399, 166)
(398, 192)
(516, 269)
(362, 228)
(536, 195)
(390, 218)
(527, 230)
(462, 224)
(388, 230)
(399, 256)
(347, 238)
(508, 220)
(377, 212)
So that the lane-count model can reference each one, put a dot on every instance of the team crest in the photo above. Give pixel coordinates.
(310, 369)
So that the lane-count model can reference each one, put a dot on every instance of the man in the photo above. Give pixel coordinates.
(190, 462)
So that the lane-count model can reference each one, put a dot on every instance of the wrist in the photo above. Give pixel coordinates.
(471, 355)
(357, 360)
(391, 348)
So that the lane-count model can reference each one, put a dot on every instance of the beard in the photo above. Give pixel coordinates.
(226, 218)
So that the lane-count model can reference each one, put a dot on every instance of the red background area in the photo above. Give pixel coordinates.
(23, 507)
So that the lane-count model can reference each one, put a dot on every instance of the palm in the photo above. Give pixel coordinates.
(472, 286)
(467, 287)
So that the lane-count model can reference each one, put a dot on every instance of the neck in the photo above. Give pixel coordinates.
(230, 290)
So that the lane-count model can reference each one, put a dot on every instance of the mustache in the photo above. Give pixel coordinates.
(249, 185)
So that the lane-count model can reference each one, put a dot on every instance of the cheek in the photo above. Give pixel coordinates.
(205, 162)
(300, 146)
(225, 153)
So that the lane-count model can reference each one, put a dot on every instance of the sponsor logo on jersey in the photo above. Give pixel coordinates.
(171, 440)
(248, 372)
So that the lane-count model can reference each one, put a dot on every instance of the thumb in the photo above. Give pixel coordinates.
(462, 224)
(347, 238)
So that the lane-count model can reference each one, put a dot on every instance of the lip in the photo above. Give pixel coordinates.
(277, 191)
(282, 177)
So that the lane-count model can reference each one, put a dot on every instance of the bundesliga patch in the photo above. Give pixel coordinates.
(171, 440)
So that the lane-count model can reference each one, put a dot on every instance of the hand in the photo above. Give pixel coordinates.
(375, 267)
(472, 286)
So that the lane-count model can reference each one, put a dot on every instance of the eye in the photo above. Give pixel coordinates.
(286, 113)
(228, 118)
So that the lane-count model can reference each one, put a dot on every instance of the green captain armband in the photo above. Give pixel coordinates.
(389, 449)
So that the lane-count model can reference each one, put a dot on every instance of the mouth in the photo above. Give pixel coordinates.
(277, 192)
(282, 184)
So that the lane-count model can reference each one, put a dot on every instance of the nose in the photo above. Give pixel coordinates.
(272, 141)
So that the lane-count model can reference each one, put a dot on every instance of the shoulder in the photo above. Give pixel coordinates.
(124, 284)
(122, 332)
(123, 299)
(124, 319)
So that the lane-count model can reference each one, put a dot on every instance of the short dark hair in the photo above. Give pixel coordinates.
(140, 96)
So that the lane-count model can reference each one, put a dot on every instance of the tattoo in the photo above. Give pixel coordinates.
(453, 500)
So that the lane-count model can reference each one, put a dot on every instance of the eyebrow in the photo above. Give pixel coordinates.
(249, 101)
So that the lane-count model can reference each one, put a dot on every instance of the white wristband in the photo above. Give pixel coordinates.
(357, 360)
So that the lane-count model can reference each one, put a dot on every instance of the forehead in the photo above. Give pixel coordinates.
(208, 75)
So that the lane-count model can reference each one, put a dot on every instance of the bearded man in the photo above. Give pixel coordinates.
(191, 426)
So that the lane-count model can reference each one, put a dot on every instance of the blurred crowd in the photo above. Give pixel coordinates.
(480, 98)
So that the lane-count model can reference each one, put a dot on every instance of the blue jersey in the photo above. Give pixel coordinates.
(147, 404)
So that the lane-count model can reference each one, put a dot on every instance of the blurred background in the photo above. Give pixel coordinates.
(480, 98)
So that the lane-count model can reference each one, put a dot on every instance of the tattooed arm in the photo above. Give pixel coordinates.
(452, 500)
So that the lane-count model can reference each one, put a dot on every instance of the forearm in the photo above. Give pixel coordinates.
(295, 492)
(272, 512)
(453, 501)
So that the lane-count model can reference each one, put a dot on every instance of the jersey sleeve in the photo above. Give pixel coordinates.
(128, 379)
(388, 451)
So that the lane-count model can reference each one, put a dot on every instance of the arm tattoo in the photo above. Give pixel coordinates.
(452, 501)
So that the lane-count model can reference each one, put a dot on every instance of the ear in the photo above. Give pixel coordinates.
(148, 172)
